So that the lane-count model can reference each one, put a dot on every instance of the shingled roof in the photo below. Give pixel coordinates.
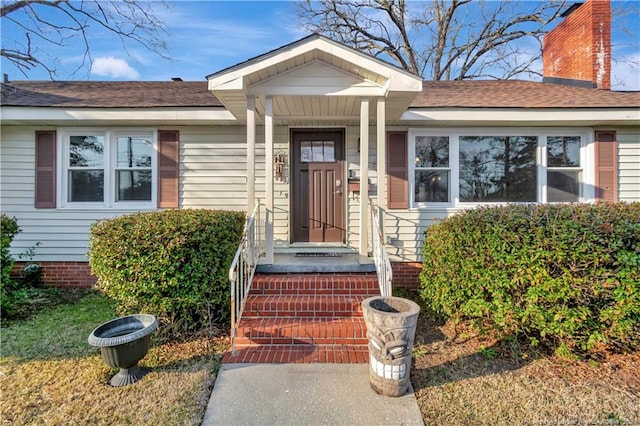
(108, 94)
(435, 94)
(518, 94)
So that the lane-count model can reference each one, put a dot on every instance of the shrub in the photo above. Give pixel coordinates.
(10, 295)
(8, 229)
(173, 264)
(567, 276)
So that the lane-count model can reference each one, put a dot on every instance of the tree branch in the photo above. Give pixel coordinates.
(129, 20)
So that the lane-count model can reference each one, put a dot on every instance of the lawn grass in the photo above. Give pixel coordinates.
(461, 378)
(50, 375)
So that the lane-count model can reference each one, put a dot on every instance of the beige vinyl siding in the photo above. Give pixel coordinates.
(213, 167)
(212, 175)
(315, 78)
(404, 230)
(628, 164)
(62, 234)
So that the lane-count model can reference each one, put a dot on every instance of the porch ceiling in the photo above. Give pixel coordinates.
(314, 80)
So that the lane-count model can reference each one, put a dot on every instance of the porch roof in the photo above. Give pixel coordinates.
(314, 77)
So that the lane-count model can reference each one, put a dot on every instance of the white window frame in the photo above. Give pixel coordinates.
(110, 150)
(452, 169)
(587, 161)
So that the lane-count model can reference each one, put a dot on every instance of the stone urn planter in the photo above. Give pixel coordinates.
(123, 342)
(391, 327)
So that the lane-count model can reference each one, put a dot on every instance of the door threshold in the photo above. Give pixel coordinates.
(350, 262)
(316, 247)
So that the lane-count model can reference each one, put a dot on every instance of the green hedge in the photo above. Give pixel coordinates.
(8, 287)
(567, 276)
(8, 230)
(173, 264)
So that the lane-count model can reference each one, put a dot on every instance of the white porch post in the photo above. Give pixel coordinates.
(364, 175)
(381, 162)
(268, 164)
(251, 154)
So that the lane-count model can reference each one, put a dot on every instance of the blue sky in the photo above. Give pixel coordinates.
(207, 36)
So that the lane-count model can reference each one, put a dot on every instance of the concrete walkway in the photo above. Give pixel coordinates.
(304, 394)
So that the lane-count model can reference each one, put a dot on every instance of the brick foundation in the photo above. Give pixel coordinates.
(61, 274)
(405, 275)
(77, 274)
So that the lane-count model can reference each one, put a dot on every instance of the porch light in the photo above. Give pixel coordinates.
(279, 161)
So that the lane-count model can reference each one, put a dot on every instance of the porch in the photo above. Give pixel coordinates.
(316, 115)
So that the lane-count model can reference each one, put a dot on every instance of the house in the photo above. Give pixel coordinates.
(314, 130)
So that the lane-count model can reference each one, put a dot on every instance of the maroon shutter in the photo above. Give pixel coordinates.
(45, 171)
(168, 168)
(606, 166)
(397, 171)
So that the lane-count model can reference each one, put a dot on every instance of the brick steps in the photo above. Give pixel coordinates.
(315, 284)
(301, 354)
(313, 331)
(306, 318)
(304, 306)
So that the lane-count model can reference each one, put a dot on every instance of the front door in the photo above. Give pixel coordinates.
(317, 186)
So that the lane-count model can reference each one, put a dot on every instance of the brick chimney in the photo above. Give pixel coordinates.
(578, 51)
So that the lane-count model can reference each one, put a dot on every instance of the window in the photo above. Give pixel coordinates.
(497, 168)
(432, 173)
(467, 167)
(563, 168)
(133, 168)
(317, 152)
(105, 169)
(86, 168)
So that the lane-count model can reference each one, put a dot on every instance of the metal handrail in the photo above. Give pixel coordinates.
(380, 255)
(243, 267)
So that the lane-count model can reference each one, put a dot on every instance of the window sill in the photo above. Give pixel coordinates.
(112, 208)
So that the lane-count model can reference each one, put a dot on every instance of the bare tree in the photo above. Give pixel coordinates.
(45, 24)
(439, 39)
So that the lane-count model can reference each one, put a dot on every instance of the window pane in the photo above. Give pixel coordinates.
(133, 152)
(133, 185)
(86, 151)
(305, 152)
(563, 151)
(329, 152)
(317, 151)
(498, 168)
(563, 186)
(432, 186)
(432, 151)
(86, 185)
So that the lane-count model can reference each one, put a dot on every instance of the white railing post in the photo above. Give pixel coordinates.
(243, 268)
(380, 255)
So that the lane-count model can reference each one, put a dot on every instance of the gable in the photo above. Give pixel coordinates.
(317, 79)
(314, 67)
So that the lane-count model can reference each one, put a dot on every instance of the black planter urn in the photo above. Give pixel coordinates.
(123, 342)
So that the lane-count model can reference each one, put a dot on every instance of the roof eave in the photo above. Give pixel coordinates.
(37, 115)
(472, 116)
